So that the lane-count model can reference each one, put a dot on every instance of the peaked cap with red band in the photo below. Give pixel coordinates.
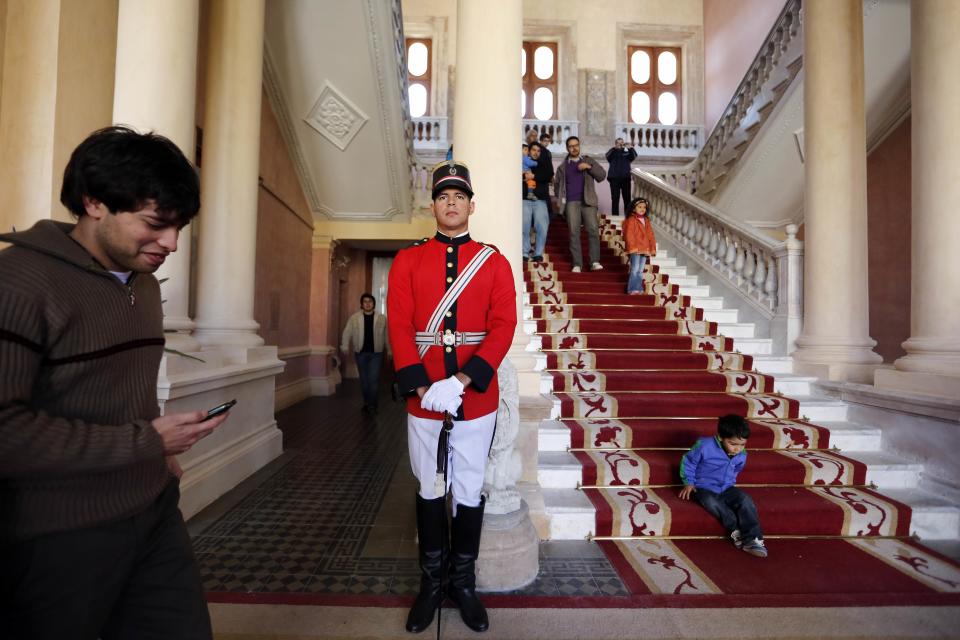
(451, 175)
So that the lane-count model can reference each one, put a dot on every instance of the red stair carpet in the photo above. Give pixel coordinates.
(639, 379)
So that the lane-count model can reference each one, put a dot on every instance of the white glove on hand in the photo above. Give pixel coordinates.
(443, 395)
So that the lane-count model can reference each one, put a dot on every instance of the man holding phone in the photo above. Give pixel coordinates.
(92, 543)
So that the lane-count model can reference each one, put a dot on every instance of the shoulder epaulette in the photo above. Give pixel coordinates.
(416, 243)
(487, 244)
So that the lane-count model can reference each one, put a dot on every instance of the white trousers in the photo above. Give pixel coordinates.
(469, 447)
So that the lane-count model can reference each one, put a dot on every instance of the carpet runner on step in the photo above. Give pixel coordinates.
(636, 380)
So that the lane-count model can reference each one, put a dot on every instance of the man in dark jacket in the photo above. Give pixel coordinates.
(92, 543)
(573, 184)
(535, 212)
(618, 175)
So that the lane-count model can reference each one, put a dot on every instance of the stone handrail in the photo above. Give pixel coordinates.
(777, 63)
(430, 133)
(661, 140)
(766, 272)
(559, 130)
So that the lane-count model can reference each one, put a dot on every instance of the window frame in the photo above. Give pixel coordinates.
(529, 81)
(653, 87)
(427, 78)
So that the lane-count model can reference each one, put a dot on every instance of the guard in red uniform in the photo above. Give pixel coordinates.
(451, 315)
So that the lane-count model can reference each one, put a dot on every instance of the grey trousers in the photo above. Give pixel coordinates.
(577, 212)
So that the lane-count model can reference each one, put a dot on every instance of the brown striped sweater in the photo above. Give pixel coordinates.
(79, 356)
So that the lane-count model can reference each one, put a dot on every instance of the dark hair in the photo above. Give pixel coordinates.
(537, 145)
(567, 143)
(635, 202)
(523, 144)
(733, 426)
(367, 295)
(126, 170)
(545, 135)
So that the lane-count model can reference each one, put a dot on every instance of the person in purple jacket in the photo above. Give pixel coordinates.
(709, 472)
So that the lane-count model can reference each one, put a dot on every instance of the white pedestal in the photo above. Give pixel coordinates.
(247, 441)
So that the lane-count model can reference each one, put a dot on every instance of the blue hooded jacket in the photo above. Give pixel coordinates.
(707, 466)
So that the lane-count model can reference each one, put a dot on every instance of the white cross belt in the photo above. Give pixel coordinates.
(449, 339)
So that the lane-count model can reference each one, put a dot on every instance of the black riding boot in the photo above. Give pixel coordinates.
(431, 530)
(465, 547)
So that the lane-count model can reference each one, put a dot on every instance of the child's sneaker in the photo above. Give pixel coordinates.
(737, 538)
(755, 548)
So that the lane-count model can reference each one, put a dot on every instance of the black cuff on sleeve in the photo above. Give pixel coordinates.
(479, 371)
(409, 379)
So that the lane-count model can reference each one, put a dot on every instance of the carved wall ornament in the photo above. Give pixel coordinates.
(335, 117)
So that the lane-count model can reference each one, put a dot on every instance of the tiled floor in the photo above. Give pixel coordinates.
(335, 515)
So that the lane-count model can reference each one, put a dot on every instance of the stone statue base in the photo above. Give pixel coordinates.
(509, 552)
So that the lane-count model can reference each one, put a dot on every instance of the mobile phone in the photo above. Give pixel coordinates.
(220, 408)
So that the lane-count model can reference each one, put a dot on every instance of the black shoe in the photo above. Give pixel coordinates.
(526, 259)
(538, 258)
(431, 529)
(464, 549)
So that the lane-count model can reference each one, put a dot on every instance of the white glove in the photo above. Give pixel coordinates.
(443, 395)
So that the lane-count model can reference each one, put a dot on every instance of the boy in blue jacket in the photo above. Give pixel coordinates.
(709, 472)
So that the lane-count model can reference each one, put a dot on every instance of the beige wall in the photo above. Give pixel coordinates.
(3, 35)
(284, 248)
(595, 22)
(888, 229)
(733, 31)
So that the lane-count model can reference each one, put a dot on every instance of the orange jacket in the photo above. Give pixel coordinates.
(639, 236)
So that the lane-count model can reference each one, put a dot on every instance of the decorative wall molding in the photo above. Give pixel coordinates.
(335, 117)
(899, 111)
(392, 102)
(271, 84)
(563, 32)
(291, 393)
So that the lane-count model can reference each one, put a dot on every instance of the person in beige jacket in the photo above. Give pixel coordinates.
(366, 330)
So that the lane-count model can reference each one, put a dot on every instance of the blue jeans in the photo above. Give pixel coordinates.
(368, 364)
(734, 509)
(535, 212)
(635, 281)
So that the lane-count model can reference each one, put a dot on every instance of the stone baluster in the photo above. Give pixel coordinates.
(760, 273)
(749, 265)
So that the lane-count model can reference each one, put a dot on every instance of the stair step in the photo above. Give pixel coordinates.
(573, 517)
(818, 409)
(737, 329)
(851, 436)
(715, 313)
(793, 385)
(673, 271)
(692, 289)
(754, 346)
(562, 470)
(708, 303)
(887, 470)
(933, 517)
(774, 365)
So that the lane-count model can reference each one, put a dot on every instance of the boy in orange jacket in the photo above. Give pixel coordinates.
(641, 243)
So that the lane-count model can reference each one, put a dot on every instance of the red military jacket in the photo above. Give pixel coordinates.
(419, 277)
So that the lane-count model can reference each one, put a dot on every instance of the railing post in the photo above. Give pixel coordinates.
(788, 319)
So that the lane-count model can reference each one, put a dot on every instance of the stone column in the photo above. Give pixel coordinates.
(835, 343)
(229, 175)
(156, 90)
(28, 112)
(932, 363)
(487, 122)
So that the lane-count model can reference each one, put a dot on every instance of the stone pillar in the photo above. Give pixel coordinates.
(28, 112)
(932, 363)
(156, 90)
(835, 343)
(229, 175)
(487, 122)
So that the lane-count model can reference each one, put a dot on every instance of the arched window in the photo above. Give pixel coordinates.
(538, 70)
(654, 85)
(419, 71)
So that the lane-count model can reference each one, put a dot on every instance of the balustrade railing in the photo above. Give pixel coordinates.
(430, 134)
(767, 272)
(559, 131)
(661, 140)
(776, 64)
